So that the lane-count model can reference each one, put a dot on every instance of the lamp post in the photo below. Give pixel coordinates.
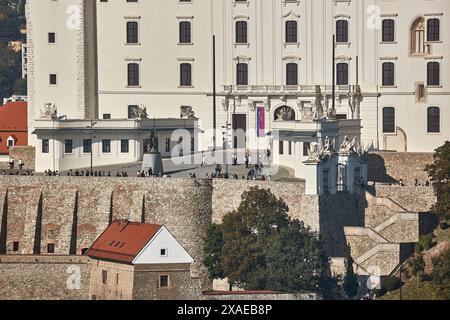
(91, 127)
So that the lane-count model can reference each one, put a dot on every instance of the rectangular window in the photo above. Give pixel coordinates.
(51, 37)
(306, 148)
(388, 74)
(87, 146)
(45, 146)
(292, 74)
(242, 74)
(433, 30)
(185, 75)
(132, 32)
(106, 146)
(185, 32)
(68, 146)
(104, 276)
(281, 147)
(51, 248)
(291, 32)
(167, 145)
(163, 281)
(342, 74)
(52, 79)
(15, 246)
(124, 146)
(389, 120)
(388, 30)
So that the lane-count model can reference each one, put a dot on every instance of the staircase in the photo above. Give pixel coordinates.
(375, 248)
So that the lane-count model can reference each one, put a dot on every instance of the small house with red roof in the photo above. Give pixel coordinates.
(139, 261)
(13, 127)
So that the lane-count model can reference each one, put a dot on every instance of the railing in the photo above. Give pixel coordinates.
(288, 89)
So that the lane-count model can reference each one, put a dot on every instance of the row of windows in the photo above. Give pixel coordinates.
(432, 30)
(433, 120)
(433, 74)
(291, 31)
(87, 146)
(342, 71)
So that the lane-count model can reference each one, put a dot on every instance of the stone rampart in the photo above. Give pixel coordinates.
(391, 167)
(44, 278)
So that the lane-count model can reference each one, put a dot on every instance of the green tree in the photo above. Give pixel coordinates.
(350, 284)
(441, 274)
(259, 247)
(417, 265)
(11, 19)
(20, 87)
(439, 173)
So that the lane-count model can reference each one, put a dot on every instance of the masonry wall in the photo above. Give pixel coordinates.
(414, 199)
(390, 167)
(72, 212)
(26, 153)
(181, 285)
(44, 278)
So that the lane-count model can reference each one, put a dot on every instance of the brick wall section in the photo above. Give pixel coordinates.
(57, 218)
(183, 206)
(413, 199)
(44, 278)
(181, 284)
(393, 166)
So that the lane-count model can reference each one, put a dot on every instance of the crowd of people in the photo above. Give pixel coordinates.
(17, 173)
(417, 183)
(255, 173)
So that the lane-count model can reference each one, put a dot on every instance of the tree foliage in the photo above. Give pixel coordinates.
(259, 247)
(441, 274)
(11, 19)
(350, 284)
(439, 173)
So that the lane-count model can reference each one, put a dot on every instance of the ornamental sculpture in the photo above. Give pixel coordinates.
(284, 114)
(324, 150)
(187, 112)
(50, 112)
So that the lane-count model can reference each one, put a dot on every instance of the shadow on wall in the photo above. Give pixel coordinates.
(377, 171)
(428, 222)
(336, 212)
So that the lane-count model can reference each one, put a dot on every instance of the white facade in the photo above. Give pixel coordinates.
(91, 63)
(163, 248)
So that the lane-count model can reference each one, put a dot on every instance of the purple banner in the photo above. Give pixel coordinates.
(261, 120)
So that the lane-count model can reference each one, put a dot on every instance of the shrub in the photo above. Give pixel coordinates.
(417, 265)
(391, 283)
(425, 243)
(444, 225)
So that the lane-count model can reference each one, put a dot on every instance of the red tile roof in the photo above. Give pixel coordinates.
(122, 241)
(13, 117)
(13, 122)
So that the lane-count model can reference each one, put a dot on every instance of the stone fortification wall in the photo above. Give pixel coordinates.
(390, 167)
(44, 278)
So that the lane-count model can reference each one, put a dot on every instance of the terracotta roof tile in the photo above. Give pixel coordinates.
(13, 122)
(122, 241)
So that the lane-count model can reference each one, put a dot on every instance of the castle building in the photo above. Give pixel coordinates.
(109, 60)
